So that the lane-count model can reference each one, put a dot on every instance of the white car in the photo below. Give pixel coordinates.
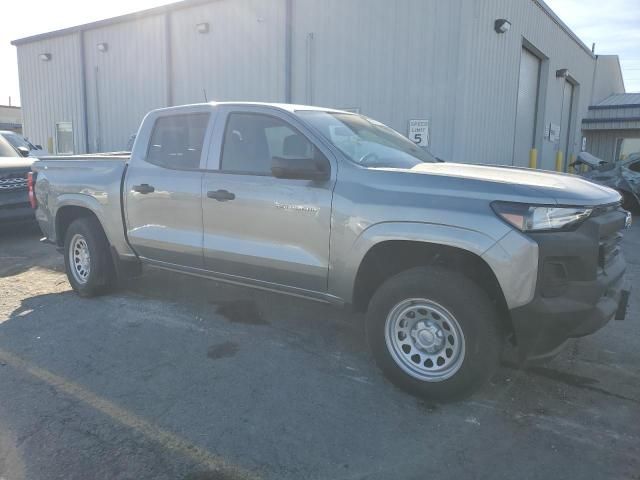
(16, 140)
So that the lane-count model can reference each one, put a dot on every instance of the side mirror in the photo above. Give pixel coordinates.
(23, 151)
(317, 169)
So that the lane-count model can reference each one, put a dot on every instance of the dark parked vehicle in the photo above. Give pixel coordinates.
(18, 141)
(14, 176)
(623, 176)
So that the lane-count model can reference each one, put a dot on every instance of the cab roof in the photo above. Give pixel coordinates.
(289, 107)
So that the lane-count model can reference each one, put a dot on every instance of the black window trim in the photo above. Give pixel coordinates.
(255, 174)
(202, 150)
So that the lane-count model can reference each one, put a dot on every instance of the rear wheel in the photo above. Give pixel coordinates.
(434, 333)
(87, 258)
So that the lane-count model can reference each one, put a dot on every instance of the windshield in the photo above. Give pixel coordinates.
(17, 141)
(365, 141)
(6, 150)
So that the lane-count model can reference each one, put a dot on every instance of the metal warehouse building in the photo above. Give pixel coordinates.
(486, 80)
(612, 128)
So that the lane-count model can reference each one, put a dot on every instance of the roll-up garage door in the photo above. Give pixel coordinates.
(527, 108)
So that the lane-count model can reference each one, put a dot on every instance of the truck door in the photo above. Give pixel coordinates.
(257, 228)
(163, 187)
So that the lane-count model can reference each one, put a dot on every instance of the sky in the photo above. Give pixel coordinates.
(614, 25)
(22, 18)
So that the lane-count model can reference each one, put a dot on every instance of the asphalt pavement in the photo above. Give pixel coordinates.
(181, 378)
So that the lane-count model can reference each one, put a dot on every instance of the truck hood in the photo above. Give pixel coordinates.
(564, 189)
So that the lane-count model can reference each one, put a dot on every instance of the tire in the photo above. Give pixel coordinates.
(447, 321)
(87, 258)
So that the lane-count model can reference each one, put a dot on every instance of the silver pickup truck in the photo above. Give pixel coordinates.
(450, 262)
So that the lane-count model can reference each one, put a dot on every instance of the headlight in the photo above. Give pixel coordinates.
(533, 218)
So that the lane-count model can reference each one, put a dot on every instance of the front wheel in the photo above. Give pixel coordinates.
(434, 333)
(87, 258)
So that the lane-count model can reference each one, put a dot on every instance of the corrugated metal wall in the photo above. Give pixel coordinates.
(441, 61)
(488, 79)
(608, 78)
(125, 81)
(393, 62)
(410, 59)
(51, 90)
(613, 118)
(602, 143)
(240, 58)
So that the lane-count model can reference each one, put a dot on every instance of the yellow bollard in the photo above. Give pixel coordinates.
(533, 158)
(572, 160)
(559, 161)
(50, 145)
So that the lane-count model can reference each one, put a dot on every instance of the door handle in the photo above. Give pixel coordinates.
(221, 195)
(143, 189)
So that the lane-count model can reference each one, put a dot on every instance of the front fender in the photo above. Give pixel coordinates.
(345, 265)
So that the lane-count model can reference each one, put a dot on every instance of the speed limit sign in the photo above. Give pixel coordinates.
(419, 132)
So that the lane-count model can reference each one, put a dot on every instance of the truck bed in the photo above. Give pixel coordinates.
(91, 181)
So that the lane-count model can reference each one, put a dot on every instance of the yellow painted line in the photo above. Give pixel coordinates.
(167, 439)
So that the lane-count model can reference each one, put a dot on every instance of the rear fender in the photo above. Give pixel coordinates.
(108, 215)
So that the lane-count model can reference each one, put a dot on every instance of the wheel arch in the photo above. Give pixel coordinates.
(68, 207)
(67, 214)
(451, 247)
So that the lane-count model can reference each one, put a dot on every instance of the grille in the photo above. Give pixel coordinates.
(13, 183)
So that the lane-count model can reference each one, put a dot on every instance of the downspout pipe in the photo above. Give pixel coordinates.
(288, 51)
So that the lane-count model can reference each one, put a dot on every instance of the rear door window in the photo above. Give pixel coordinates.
(176, 141)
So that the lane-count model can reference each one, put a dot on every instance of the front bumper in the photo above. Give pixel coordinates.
(579, 290)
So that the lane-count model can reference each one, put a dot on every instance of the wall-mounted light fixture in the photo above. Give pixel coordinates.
(562, 73)
(502, 26)
(45, 57)
(202, 27)
(103, 47)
